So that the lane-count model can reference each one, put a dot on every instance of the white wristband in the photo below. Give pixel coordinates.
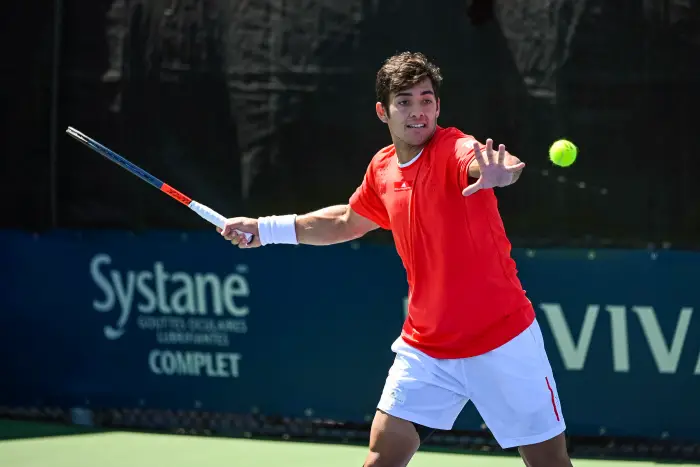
(278, 229)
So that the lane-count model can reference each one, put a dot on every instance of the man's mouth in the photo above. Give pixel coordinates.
(417, 125)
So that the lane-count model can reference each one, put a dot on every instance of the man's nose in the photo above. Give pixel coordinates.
(416, 112)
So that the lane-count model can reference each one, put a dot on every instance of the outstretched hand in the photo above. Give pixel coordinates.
(492, 169)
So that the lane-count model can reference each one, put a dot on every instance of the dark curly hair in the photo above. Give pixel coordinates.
(403, 71)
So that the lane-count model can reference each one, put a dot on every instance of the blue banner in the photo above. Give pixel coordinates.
(184, 320)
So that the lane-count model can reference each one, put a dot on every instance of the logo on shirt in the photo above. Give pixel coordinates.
(403, 185)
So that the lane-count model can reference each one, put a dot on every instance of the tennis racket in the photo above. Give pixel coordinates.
(204, 212)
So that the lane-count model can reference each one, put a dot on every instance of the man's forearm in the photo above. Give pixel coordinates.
(326, 226)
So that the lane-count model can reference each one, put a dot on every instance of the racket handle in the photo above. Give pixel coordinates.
(214, 217)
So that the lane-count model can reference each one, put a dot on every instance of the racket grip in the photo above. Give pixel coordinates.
(213, 217)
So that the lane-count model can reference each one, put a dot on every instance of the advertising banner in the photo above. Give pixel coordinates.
(183, 320)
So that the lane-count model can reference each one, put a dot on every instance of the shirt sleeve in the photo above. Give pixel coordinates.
(367, 203)
(464, 153)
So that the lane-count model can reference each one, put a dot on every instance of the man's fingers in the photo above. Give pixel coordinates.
(516, 167)
(238, 239)
(229, 229)
(478, 155)
(229, 232)
(501, 153)
(473, 188)
(489, 152)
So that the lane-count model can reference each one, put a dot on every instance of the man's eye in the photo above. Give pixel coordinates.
(403, 102)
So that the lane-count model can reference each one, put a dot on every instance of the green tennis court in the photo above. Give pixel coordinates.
(36, 445)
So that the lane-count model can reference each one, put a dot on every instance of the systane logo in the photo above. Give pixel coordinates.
(162, 292)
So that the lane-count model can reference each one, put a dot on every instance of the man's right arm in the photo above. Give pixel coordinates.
(334, 224)
(327, 226)
(365, 211)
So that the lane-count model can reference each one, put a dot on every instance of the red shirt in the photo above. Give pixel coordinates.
(464, 296)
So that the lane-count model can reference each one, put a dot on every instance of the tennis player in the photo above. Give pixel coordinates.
(471, 332)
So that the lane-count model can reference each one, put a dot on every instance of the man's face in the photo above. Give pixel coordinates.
(413, 114)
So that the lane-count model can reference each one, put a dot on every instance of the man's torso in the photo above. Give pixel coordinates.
(464, 295)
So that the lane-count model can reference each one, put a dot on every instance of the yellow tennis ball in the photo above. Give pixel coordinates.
(563, 153)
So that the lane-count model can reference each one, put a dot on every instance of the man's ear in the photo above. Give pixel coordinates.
(381, 112)
(437, 112)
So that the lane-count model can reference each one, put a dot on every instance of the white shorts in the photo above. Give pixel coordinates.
(512, 387)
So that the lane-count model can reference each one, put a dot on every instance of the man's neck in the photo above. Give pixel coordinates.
(406, 153)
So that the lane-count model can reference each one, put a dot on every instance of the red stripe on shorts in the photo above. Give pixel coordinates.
(554, 404)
